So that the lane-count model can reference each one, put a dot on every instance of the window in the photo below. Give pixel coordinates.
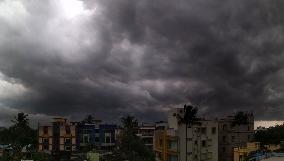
(68, 141)
(172, 158)
(203, 143)
(67, 148)
(224, 138)
(45, 140)
(45, 147)
(248, 137)
(224, 127)
(107, 131)
(87, 131)
(172, 145)
(189, 139)
(233, 138)
(223, 149)
(161, 142)
(213, 130)
(107, 139)
(45, 129)
(203, 130)
(67, 129)
(196, 142)
(197, 130)
(97, 139)
(248, 128)
(86, 138)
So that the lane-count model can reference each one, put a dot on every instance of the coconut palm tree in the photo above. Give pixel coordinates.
(188, 118)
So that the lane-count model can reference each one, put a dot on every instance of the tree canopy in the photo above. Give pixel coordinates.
(19, 135)
(240, 118)
(189, 115)
(272, 135)
(90, 119)
(131, 146)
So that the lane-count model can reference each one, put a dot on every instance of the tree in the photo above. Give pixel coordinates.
(21, 120)
(40, 156)
(90, 119)
(271, 135)
(240, 118)
(131, 146)
(21, 134)
(130, 124)
(188, 118)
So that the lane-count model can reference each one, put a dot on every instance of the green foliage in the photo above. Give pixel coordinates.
(90, 119)
(19, 135)
(6, 157)
(130, 125)
(240, 118)
(131, 146)
(189, 115)
(40, 157)
(272, 135)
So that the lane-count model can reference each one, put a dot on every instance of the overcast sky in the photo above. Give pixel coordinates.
(141, 57)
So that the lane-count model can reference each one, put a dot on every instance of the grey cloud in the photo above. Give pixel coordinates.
(141, 57)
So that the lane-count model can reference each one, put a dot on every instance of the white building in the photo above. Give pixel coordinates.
(201, 139)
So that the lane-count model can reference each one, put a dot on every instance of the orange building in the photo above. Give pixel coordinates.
(165, 144)
(58, 136)
(45, 137)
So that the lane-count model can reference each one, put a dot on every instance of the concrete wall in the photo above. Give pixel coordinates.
(201, 145)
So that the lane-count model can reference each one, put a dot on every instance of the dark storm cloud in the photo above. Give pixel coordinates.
(141, 57)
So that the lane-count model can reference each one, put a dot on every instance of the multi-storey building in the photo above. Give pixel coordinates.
(166, 143)
(45, 135)
(98, 136)
(57, 138)
(201, 140)
(231, 136)
(146, 133)
(64, 135)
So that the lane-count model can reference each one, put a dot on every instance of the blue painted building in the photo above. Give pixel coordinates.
(98, 136)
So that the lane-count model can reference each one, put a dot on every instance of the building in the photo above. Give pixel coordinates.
(45, 137)
(96, 136)
(233, 136)
(146, 133)
(201, 140)
(243, 153)
(58, 137)
(166, 144)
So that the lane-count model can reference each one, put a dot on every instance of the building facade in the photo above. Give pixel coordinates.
(243, 153)
(96, 136)
(231, 136)
(166, 144)
(57, 138)
(45, 135)
(146, 133)
(200, 143)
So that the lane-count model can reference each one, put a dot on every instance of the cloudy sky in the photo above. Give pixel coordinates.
(116, 57)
